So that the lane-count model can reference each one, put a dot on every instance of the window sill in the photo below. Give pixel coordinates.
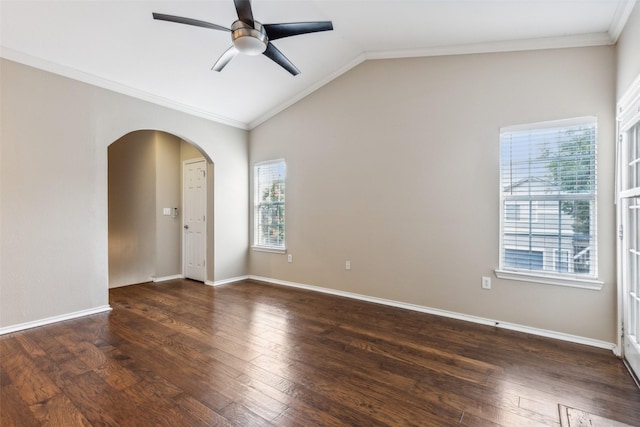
(269, 249)
(573, 282)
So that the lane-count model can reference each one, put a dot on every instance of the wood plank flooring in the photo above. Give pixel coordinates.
(180, 353)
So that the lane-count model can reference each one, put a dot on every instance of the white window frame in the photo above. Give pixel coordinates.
(257, 245)
(547, 277)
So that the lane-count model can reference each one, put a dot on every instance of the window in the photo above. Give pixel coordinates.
(269, 205)
(548, 200)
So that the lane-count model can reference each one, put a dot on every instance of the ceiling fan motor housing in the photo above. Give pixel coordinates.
(250, 40)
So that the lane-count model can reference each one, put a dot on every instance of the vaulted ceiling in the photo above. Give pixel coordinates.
(117, 44)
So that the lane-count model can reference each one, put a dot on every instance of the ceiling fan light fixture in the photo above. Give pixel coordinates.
(249, 40)
(249, 45)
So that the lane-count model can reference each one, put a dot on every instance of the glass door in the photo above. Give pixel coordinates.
(629, 217)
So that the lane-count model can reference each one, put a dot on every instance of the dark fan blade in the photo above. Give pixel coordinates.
(245, 14)
(188, 21)
(278, 31)
(278, 57)
(226, 57)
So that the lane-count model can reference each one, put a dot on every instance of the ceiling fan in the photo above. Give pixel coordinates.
(251, 37)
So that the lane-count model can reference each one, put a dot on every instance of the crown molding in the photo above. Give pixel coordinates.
(583, 40)
(580, 40)
(84, 77)
(620, 17)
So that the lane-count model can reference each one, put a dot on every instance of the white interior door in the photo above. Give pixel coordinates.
(629, 249)
(195, 219)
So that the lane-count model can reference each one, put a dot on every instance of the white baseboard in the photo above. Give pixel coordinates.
(54, 319)
(165, 278)
(423, 309)
(225, 281)
(469, 318)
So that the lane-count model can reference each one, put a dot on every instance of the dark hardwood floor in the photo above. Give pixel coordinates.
(180, 353)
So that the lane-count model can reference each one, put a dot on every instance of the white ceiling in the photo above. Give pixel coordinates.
(117, 44)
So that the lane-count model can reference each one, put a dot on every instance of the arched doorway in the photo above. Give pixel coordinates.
(145, 206)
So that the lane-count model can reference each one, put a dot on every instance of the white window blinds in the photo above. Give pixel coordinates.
(548, 198)
(269, 204)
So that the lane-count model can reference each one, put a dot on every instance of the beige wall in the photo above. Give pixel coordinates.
(54, 135)
(145, 176)
(168, 259)
(394, 166)
(188, 151)
(629, 52)
(132, 207)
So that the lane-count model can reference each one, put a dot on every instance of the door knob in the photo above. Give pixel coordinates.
(186, 226)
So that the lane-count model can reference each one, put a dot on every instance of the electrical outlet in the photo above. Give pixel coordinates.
(290, 258)
(347, 265)
(486, 282)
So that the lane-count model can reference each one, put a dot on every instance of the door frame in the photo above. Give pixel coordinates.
(206, 219)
